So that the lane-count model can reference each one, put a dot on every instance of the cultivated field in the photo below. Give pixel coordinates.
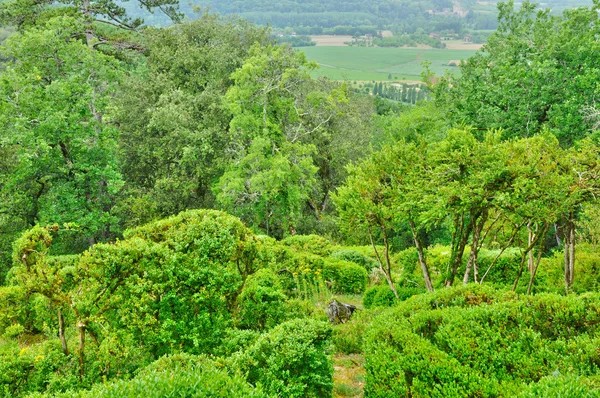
(330, 40)
(375, 63)
(461, 45)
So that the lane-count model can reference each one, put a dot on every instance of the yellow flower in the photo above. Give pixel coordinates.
(23, 351)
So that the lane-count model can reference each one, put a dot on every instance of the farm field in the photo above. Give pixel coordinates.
(331, 40)
(375, 63)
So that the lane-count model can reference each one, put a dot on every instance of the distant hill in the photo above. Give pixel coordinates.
(316, 15)
(323, 16)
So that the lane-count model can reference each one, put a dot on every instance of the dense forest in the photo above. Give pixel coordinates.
(186, 212)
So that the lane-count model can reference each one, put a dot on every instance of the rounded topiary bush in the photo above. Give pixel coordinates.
(557, 386)
(345, 277)
(313, 244)
(261, 303)
(355, 257)
(473, 341)
(379, 296)
(292, 360)
(382, 295)
(177, 376)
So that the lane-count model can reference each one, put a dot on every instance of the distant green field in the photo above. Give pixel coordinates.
(375, 63)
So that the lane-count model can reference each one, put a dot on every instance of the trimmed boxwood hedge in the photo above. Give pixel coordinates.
(476, 342)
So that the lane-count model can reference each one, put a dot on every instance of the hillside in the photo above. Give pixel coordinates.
(314, 16)
(197, 211)
(404, 15)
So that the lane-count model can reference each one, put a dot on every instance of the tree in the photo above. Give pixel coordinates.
(363, 203)
(36, 273)
(536, 71)
(25, 13)
(279, 115)
(54, 98)
(269, 187)
(173, 117)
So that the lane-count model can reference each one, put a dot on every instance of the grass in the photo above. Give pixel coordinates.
(375, 63)
(349, 376)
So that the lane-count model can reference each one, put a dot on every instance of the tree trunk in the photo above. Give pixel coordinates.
(88, 28)
(472, 263)
(388, 277)
(537, 262)
(510, 241)
(536, 238)
(422, 262)
(81, 327)
(569, 253)
(530, 237)
(458, 247)
(61, 333)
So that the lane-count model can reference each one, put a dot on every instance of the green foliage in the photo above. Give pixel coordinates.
(348, 338)
(235, 340)
(304, 274)
(268, 190)
(292, 360)
(172, 115)
(261, 302)
(173, 282)
(281, 142)
(170, 286)
(39, 367)
(561, 386)
(448, 344)
(587, 266)
(356, 257)
(345, 277)
(382, 295)
(379, 296)
(525, 48)
(181, 376)
(504, 270)
(62, 165)
(313, 244)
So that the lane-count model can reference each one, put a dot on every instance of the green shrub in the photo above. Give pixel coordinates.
(176, 281)
(313, 244)
(292, 360)
(550, 276)
(345, 277)
(12, 310)
(178, 376)
(504, 270)
(348, 337)
(382, 295)
(471, 342)
(235, 340)
(407, 260)
(379, 296)
(261, 303)
(355, 257)
(36, 368)
(561, 387)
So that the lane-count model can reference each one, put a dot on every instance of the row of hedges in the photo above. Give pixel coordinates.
(303, 262)
(476, 342)
(199, 282)
(291, 360)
